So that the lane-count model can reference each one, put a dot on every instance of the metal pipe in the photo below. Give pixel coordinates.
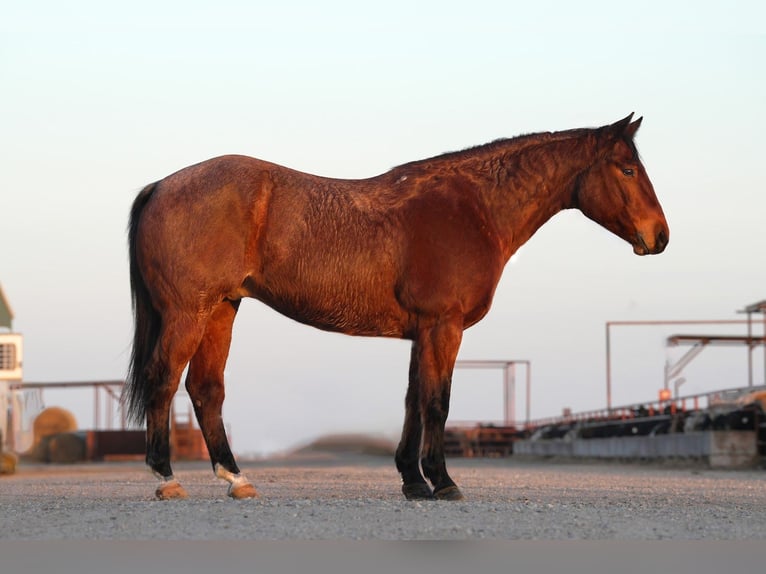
(96, 410)
(512, 402)
(506, 395)
(529, 391)
(608, 368)
(749, 349)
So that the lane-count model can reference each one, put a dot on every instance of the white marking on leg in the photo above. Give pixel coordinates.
(234, 480)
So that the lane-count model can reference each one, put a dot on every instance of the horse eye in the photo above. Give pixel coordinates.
(628, 172)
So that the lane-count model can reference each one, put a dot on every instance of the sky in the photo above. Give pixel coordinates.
(99, 99)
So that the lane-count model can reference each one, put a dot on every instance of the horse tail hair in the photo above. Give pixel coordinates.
(146, 321)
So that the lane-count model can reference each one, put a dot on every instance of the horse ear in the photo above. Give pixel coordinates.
(632, 128)
(619, 128)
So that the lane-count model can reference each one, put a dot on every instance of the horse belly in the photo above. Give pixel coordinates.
(330, 295)
(333, 301)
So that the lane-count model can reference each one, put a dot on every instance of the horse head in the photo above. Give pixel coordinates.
(616, 192)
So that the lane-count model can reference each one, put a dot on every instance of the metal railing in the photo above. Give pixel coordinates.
(688, 403)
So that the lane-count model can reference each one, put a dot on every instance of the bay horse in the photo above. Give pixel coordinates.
(415, 253)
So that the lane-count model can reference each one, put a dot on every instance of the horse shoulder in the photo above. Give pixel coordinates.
(452, 257)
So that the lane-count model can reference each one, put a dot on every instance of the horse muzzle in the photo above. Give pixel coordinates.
(657, 245)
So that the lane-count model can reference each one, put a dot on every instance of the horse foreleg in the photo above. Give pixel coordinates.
(438, 352)
(205, 384)
(407, 458)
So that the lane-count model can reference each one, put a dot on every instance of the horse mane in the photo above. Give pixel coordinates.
(501, 146)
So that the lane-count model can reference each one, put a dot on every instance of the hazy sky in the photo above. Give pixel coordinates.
(98, 101)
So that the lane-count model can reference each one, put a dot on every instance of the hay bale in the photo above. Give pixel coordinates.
(7, 463)
(54, 420)
(66, 448)
(50, 422)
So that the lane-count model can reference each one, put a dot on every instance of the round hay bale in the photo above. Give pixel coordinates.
(52, 421)
(66, 448)
(7, 463)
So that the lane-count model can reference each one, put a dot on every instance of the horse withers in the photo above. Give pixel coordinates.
(415, 253)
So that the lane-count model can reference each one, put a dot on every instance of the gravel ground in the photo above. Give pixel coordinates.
(358, 498)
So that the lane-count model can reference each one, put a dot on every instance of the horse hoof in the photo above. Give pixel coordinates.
(241, 491)
(449, 493)
(170, 490)
(417, 491)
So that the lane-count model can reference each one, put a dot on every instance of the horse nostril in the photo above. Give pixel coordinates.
(661, 241)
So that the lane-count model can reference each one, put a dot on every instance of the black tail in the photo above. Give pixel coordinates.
(146, 319)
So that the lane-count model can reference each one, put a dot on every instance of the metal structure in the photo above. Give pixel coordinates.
(508, 368)
(699, 342)
(750, 310)
(611, 324)
(106, 399)
(651, 408)
(21, 402)
(112, 438)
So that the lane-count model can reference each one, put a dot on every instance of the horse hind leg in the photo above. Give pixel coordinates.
(177, 342)
(205, 384)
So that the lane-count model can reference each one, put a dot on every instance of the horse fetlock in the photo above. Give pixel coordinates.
(239, 486)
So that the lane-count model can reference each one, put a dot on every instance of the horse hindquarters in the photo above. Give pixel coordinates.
(155, 367)
(170, 326)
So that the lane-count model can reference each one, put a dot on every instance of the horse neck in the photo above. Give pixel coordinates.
(525, 188)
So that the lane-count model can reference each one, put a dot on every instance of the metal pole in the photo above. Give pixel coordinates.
(512, 368)
(529, 390)
(608, 369)
(506, 394)
(749, 349)
(108, 407)
(96, 414)
(123, 417)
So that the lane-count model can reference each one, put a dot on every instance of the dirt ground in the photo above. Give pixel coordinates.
(357, 497)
